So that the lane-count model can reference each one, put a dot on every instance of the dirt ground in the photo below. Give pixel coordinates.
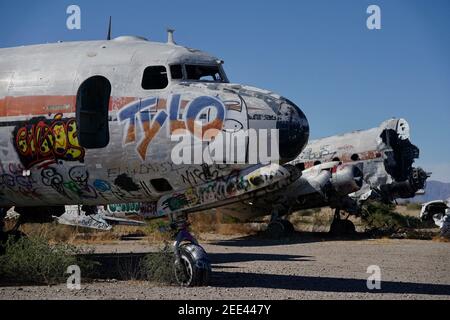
(306, 266)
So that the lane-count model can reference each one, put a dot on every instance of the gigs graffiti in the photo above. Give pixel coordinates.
(46, 141)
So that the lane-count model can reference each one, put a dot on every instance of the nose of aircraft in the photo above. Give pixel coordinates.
(293, 129)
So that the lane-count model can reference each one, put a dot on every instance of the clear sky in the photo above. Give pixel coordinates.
(318, 53)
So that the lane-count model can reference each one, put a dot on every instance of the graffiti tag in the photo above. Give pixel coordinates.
(44, 140)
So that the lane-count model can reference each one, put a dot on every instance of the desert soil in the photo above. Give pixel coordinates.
(249, 267)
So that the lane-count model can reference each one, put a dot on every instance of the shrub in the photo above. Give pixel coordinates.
(382, 216)
(33, 261)
(159, 266)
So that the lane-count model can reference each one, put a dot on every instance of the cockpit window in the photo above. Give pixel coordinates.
(204, 73)
(176, 71)
(155, 78)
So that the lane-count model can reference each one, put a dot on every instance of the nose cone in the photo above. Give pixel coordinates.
(293, 129)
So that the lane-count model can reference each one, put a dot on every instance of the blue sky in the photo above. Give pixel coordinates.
(318, 53)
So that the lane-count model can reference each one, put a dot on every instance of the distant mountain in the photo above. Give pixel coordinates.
(434, 190)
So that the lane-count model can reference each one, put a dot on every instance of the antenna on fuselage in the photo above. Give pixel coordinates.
(109, 29)
(170, 33)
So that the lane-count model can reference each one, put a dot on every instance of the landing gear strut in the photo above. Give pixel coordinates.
(341, 227)
(278, 227)
(192, 266)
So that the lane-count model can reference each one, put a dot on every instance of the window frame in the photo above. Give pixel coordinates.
(185, 74)
(219, 67)
(155, 66)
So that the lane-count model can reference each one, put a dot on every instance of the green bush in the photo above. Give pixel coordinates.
(159, 266)
(382, 216)
(33, 261)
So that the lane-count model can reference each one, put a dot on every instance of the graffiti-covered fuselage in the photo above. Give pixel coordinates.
(93, 122)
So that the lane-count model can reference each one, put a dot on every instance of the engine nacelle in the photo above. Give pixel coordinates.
(408, 188)
(346, 179)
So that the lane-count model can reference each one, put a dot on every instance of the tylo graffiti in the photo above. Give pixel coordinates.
(152, 119)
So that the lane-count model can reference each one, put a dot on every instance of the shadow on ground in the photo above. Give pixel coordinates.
(321, 284)
(261, 240)
(118, 265)
(125, 266)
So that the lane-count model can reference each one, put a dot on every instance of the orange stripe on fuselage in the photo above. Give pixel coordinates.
(346, 158)
(36, 105)
(44, 105)
(2, 107)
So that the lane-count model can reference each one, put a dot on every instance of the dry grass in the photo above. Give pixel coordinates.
(440, 239)
(410, 210)
(74, 235)
(318, 220)
(214, 221)
(202, 223)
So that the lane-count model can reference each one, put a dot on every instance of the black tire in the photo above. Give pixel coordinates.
(194, 269)
(342, 228)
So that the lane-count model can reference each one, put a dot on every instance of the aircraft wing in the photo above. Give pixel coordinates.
(123, 221)
(96, 222)
(319, 186)
(99, 221)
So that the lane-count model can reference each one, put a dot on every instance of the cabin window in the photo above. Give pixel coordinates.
(355, 157)
(176, 72)
(92, 112)
(161, 185)
(316, 163)
(155, 78)
(204, 73)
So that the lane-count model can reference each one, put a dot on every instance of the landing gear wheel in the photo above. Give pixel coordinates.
(342, 228)
(193, 268)
(280, 228)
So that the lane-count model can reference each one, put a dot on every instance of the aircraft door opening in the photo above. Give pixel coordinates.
(92, 112)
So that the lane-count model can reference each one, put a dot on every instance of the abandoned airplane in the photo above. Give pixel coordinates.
(93, 123)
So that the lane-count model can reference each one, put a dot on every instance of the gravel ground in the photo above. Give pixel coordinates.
(300, 268)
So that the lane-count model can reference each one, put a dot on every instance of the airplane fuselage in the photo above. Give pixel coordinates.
(93, 122)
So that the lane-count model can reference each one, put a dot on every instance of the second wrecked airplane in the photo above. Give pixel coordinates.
(343, 172)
